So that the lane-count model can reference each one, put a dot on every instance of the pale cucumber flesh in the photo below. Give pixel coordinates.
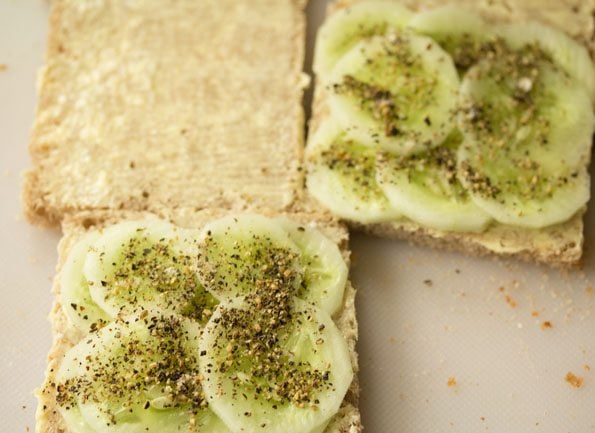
(237, 253)
(347, 26)
(145, 264)
(411, 109)
(82, 312)
(341, 176)
(425, 188)
(325, 270)
(309, 349)
(119, 378)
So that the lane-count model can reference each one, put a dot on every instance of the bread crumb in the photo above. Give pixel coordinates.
(546, 325)
(589, 290)
(428, 283)
(534, 313)
(574, 380)
(510, 301)
(587, 367)
(3, 67)
(451, 382)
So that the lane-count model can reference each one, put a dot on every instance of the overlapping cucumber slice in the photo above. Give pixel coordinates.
(274, 364)
(527, 132)
(347, 26)
(460, 32)
(396, 92)
(130, 266)
(424, 186)
(240, 253)
(245, 253)
(572, 57)
(82, 312)
(137, 374)
(341, 176)
(325, 270)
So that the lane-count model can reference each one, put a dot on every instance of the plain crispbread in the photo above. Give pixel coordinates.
(559, 245)
(145, 105)
(49, 420)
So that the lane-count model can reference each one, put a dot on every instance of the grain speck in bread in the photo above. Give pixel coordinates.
(145, 105)
(557, 245)
(49, 420)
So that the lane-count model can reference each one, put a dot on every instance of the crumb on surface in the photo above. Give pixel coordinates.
(546, 325)
(428, 283)
(451, 382)
(574, 380)
(587, 367)
(589, 290)
(534, 313)
(510, 301)
(3, 67)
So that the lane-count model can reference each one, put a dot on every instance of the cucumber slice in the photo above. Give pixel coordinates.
(395, 92)
(521, 105)
(83, 314)
(239, 254)
(464, 41)
(266, 373)
(526, 199)
(138, 374)
(425, 188)
(527, 134)
(347, 26)
(143, 264)
(325, 271)
(341, 175)
(75, 421)
(571, 56)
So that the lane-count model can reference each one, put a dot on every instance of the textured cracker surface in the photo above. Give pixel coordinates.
(49, 420)
(146, 104)
(558, 245)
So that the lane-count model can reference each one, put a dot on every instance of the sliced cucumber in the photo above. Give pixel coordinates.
(573, 57)
(240, 253)
(266, 373)
(425, 188)
(143, 264)
(527, 136)
(83, 314)
(75, 421)
(396, 92)
(526, 199)
(325, 271)
(462, 33)
(346, 27)
(514, 111)
(341, 175)
(138, 374)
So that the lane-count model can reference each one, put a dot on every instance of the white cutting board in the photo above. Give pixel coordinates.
(425, 316)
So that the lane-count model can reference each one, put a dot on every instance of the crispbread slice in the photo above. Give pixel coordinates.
(559, 245)
(151, 104)
(74, 226)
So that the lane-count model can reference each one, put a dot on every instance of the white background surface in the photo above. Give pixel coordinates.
(509, 372)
